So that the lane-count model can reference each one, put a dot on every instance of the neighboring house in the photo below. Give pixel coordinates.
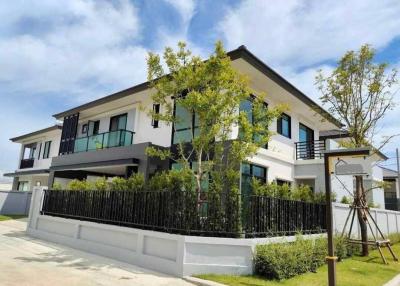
(108, 136)
(392, 192)
(37, 150)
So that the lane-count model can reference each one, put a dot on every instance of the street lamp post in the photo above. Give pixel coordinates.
(331, 258)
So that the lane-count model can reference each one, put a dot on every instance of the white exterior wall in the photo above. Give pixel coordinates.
(178, 255)
(40, 163)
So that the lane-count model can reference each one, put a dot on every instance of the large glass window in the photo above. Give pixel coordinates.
(247, 106)
(186, 127)
(118, 122)
(284, 125)
(46, 150)
(250, 171)
(305, 133)
(93, 128)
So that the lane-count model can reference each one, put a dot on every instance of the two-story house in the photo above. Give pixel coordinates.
(36, 152)
(108, 136)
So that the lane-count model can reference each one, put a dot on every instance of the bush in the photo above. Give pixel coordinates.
(57, 186)
(345, 200)
(78, 185)
(302, 193)
(285, 260)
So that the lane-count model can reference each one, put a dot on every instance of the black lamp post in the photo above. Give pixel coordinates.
(331, 258)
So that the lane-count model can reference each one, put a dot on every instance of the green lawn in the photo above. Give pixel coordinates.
(8, 217)
(356, 271)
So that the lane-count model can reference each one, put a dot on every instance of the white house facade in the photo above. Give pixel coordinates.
(108, 137)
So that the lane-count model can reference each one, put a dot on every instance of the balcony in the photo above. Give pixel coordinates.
(308, 150)
(26, 163)
(103, 141)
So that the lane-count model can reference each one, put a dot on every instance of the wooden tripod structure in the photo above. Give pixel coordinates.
(379, 240)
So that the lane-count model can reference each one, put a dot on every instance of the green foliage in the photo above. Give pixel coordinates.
(57, 186)
(303, 193)
(78, 185)
(285, 260)
(299, 193)
(394, 238)
(358, 92)
(100, 184)
(136, 182)
(211, 90)
(345, 200)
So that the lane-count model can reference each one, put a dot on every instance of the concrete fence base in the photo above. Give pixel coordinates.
(177, 255)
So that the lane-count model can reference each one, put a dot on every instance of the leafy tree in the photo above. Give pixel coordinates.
(359, 93)
(209, 94)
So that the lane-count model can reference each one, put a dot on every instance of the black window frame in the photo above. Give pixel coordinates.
(192, 126)
(308, 130)
(40, 150)
(156, 110)
(46, 150)
(118, 116)
(251, 99)
(279, 128)
(251, 175)
(85, 128)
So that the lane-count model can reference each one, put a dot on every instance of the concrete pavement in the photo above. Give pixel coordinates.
(28, 261)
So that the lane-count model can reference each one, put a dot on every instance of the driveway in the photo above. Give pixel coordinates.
(28, 261)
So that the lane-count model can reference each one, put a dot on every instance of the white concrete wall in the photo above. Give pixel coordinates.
(15, 202)
(388, 221)
(178, 255)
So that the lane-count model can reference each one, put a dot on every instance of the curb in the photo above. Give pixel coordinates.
(202, 282)
(394, 282)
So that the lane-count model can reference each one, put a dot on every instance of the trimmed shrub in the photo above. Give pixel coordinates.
(284, 260)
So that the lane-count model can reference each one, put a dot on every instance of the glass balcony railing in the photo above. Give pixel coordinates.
(104, 140)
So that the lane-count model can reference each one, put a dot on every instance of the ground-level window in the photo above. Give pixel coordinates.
(280, 182)
(250, 171)
(23, 186)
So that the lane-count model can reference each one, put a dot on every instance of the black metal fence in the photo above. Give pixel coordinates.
(308, 150)
(189, 213)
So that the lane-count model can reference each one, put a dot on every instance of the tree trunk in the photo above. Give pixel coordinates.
(360, 200)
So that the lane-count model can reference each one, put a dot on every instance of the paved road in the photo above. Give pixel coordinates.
(32, 262)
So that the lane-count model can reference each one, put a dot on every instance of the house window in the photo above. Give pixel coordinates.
(280, 182)
(84, 128)
(23, 186)
(305, 134)
(247, 107)
(93, 127)
(118, 122)
(284, 125)
(186, 127)
(156, 110)
(32, 151)
(250, 171)
(40, 150)
(46, 150)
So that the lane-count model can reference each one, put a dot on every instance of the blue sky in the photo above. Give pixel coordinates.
(55, 56)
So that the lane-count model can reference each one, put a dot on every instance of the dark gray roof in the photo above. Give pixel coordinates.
(240, 52)
(334, 133)
(54, 127)
(388, 173)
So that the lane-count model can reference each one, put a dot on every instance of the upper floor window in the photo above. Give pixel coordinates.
(40, 150)
(156, 110)
(93, 127)
(284, 125)
(186, 127)
(305, 134)
(118, 122)
(46, 150)
(247, 107)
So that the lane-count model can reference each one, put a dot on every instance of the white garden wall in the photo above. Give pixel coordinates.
(177, 255)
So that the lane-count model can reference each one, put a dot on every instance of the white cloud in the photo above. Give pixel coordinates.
(301, 33)
(85, 41)
(186, 9)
